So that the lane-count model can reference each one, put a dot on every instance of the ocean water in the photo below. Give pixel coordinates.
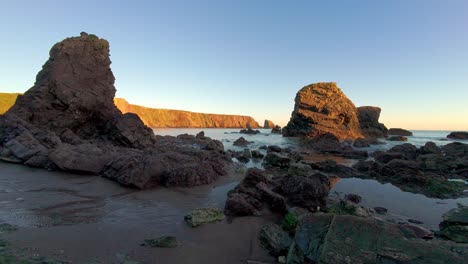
(228, 136)
(401, 205)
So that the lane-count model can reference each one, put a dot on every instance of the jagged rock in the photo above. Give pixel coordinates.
(458, 135)
(257, 191)
(322, 108)
(68, 121)
(241, 142)
(399, 132)
(200, 216)
(268, 124)
(276, 130)
(369, 121)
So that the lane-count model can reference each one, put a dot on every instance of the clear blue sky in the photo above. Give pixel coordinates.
(409, 57)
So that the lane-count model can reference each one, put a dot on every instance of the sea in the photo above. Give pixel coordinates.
(401, 205)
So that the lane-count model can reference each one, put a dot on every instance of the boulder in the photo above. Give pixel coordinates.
(399, 132)
(68, 121)
(201, 216)
(268, 124)
(369, 122)
(322, 108)
(458, 135)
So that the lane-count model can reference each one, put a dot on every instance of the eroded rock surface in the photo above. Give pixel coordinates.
(322, 108)
(68, 121)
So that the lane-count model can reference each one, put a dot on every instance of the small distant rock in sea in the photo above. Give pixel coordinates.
(241, 142)
(276, 130)
(397, 138)
(249, 131)
(399, 132)
(458, 135)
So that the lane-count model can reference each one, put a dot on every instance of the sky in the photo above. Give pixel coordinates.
(250, 57)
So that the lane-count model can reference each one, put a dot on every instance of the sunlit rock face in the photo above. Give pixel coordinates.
(322, 108)
(155, 118)
(68, 121)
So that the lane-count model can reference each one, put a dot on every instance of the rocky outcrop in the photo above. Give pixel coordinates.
(330, 238)
(323, 108)
(257, 192)
(399, 132)
(68, 121)
(268, 124)
(156, 118)
(458, 135)
(422, 170)
(369, 121)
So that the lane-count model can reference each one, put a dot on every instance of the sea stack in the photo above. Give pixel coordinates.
(369, 121)
(322, 108)
(68, 121)
(268, 124)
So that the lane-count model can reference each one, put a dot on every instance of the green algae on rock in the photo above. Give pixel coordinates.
(162, 242)
(455, 225)
(202, 216)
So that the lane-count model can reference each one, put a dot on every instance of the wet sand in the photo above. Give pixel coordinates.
(86, 219)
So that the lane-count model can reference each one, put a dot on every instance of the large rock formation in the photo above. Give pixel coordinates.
(323, 108)
(154, 117)
(268, 124)
(68, 121)
(369, 121)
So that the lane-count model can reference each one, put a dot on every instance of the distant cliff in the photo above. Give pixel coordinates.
(7, 100)
(154, 117)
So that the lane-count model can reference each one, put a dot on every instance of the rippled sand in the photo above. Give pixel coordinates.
(86, 218)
